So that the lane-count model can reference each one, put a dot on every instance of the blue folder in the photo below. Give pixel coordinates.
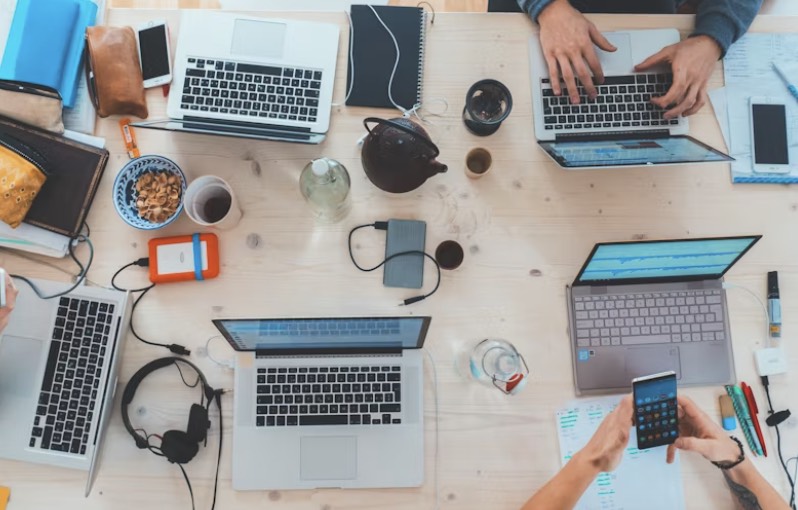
(45, 44)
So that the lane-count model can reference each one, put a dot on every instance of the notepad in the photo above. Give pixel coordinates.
(374, 55)
(45, 44)
(642, 476)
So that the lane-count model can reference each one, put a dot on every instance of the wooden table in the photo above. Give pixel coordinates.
(526, 229)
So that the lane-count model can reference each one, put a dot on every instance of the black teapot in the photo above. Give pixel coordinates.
(398, 155)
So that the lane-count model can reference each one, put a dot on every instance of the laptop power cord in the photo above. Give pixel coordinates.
(383, 225)
(144, 262)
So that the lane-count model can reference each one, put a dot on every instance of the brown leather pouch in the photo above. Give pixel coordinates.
(22, 176)
(114, 73)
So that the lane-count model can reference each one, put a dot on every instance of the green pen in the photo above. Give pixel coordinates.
(745, 419)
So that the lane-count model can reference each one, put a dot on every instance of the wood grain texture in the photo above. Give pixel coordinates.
(438, 5)
(526, 229)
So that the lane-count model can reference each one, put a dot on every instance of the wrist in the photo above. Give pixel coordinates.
(552, 9)
(588, 461)
(710, 43)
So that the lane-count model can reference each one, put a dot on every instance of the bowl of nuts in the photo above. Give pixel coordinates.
(148, 192)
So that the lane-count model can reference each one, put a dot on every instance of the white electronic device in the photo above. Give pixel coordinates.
(2, 288)
(154, 53)
(770, 361)
(769, 140)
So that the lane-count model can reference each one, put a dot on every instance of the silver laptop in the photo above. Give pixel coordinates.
(328, 402)
(251, 77)
(621, 127)
(59, 362)
(639, 308)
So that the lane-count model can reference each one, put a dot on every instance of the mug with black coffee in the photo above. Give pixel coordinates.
(478, 162)
(210, 202)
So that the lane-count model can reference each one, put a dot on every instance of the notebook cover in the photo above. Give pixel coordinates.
(374, 55)
(75, 171)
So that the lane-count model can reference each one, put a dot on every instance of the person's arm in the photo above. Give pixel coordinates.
(725, 21)
(11, 299)
(698, 433)
(533, 7)
(602, 453)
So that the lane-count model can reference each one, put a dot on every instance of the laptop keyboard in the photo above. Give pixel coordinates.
(248, 90)
(655, 318)
(73, 376)
(362, 395)
(622, 102)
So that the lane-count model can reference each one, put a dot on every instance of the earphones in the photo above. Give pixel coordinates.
(177, 446)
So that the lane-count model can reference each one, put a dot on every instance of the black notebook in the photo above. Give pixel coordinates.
(374, 54)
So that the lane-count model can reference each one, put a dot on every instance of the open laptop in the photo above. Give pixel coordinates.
(328, 402)
(59, 362)
(621, 127)
(251, 77)
(638, 308)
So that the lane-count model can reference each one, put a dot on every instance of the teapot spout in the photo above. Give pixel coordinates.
(436, 167)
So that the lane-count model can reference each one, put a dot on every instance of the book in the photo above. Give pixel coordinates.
(75, 170)
(373, 56)
(45, 44)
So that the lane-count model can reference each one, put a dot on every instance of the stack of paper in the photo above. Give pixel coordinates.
(748, 72)
(643, 475)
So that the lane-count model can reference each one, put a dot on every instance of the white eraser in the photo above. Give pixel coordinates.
(770, 361)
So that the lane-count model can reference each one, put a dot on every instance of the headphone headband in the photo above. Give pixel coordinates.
(135, 381)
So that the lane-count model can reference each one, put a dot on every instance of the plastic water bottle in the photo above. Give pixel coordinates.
(325, 185)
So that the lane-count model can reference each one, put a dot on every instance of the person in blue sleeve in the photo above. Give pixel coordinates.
(568, 40)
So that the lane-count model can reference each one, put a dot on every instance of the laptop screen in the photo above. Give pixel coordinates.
(633, 151)
(325, 334)
(675, 260)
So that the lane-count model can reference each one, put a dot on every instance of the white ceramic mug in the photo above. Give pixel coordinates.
(210, 202)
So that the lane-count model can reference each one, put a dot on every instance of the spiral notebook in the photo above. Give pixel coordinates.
(373, 55)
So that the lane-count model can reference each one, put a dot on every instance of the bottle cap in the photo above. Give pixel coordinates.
(320, 166)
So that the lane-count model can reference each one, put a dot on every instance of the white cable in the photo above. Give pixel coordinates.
(223, 364)
(351, 59)
(727, 285)
(437, 429)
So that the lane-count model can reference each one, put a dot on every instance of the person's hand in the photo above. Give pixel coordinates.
(692, 62)
(567, 39)
(11, 299)
(698, 433)
(605, 448)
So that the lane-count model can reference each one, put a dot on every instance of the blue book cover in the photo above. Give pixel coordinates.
(45, 44)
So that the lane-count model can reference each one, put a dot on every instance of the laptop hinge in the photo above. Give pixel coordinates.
(262, 353)
(239, 123)
(612, 135)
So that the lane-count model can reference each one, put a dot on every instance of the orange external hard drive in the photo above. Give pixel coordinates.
(183, 258)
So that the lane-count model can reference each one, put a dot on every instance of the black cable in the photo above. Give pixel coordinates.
(790, 478)
(218, 398)
(82, 270)
(144, 262)
(383, 225)
(190, 490)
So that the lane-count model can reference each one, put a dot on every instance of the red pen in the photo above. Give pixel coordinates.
(754, 409)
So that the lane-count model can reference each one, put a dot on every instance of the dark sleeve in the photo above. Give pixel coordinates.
(533, 7)
(725, 21)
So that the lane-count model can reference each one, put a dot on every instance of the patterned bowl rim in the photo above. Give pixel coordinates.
(149, 158)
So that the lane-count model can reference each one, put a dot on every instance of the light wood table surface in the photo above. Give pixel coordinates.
(526, 228)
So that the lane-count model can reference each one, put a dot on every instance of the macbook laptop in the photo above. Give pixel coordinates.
(328, 402)
(638, 308)
(620, 127)
(251, 77)
(59, 363)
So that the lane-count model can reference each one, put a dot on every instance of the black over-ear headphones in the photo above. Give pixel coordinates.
(178, 446)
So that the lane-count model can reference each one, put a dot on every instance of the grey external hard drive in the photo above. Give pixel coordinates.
(405, 271)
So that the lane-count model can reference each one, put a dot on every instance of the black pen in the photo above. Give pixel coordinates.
(774, 304)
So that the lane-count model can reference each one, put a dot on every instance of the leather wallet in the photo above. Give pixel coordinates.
(114, 73)
(22, 176)
(36, 105)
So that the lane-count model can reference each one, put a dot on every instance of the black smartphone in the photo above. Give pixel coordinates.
(656, 419)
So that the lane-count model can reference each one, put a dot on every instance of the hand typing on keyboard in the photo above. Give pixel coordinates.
(692, 61)
(567, 39)
(11, 298)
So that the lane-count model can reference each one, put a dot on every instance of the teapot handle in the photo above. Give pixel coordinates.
(400, 127)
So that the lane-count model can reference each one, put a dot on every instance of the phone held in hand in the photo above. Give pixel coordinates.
(656, 419)
(3, 285)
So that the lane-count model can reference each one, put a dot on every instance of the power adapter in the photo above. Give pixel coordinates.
(770, 361)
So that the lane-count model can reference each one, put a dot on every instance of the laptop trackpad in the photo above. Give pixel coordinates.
(328, 458)
(19, 362)
(642, 361)
(620, 60)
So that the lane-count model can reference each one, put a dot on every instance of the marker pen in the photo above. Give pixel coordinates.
(774, 304)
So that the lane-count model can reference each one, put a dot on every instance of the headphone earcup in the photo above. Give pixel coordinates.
(178, 447)
(198, 423)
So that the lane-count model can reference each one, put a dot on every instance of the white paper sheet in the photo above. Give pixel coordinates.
(643, 476)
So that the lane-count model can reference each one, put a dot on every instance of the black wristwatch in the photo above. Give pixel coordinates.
(730, 464)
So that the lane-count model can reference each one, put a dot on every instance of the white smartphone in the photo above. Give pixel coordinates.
(2, 288)
(154, 53)
(769, 146)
